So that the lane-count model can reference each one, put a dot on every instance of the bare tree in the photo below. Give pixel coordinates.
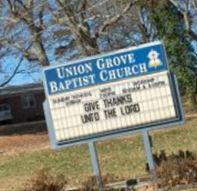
(78, 27)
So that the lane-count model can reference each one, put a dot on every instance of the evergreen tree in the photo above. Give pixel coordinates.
(170, 27)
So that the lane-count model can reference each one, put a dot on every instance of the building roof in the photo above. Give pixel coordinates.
(14, 90)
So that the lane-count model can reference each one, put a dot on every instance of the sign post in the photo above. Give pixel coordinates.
(148, 151)
(95, 164)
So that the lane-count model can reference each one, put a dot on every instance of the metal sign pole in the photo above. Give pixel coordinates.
(148, 150)
(95, 164)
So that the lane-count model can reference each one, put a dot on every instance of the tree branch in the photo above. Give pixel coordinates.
(13, 74)
(10, 5)
(142, 26)
(36, 31)
(16, 71)
(116, 18)
(186, 19)
(41, 13)
(21, 3)
(82, 32)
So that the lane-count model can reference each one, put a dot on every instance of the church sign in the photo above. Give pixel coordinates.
(110, 95)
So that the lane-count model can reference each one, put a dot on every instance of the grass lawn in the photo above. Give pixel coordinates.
(123, 158)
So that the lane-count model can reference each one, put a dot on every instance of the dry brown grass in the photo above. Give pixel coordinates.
(15, 144)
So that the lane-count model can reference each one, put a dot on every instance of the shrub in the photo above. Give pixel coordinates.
(45, 181)
(176, 169)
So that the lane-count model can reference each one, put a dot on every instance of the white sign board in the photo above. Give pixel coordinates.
(110, 94)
